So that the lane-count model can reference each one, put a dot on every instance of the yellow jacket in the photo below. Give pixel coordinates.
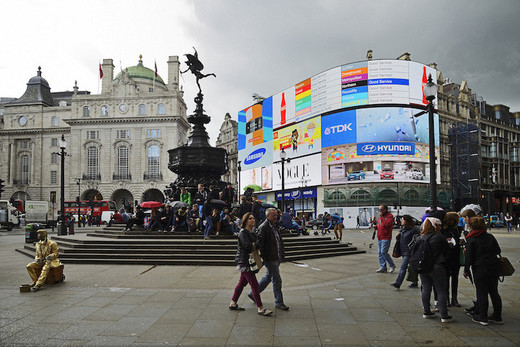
(45, 248)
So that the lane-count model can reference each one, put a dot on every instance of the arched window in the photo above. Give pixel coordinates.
(360, 194)
(54, 121)
(122, 162)
(153, 161)
(92, 162)
(25, 174)
(337, 195)
(86, 111)
(387, 195)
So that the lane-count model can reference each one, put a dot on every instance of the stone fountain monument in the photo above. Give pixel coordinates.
(197, 161)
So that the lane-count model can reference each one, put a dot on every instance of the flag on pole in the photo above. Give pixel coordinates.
(100, 72)
(155, 68)
(155, 75)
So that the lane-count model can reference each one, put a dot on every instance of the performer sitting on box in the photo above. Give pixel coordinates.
(46, 258)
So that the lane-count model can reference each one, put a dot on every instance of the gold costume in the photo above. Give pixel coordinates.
(46, 259)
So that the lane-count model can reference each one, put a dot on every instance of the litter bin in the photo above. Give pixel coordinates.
(31, 232)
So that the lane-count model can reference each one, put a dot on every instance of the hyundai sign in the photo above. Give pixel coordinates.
(386, 148)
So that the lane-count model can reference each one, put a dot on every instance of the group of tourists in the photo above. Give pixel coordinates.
(435, 252)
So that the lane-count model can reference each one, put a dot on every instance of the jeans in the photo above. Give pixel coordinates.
(272, 274)
(209, 226)
(402, 272)
(435, 279)
(245, 278)
(382, 252)
(509, 226)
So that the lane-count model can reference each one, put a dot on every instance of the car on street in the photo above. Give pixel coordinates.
(415, 174)
(315, 224)
(397, 222)
(356, 175)
(495, 221)
(386, 173)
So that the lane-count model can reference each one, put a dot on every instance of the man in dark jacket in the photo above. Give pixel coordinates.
(245, 206)
(271, 247)
(228, 195)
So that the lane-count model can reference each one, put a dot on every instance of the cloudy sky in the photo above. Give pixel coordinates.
(258, 46)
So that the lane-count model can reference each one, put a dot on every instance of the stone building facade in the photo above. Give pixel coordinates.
(117, 141)
(227, 139)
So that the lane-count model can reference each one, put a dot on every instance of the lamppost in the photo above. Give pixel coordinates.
(238, 190)
(63, 146)
(430, 90)
(78, 182)
(283, 155)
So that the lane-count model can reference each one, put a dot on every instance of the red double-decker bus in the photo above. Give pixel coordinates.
(71, 207)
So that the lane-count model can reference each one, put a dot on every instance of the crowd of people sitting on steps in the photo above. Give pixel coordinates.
(208, 211)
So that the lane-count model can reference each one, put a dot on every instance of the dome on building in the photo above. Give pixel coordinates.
(38, 79)
(38, 92)
(140, 71)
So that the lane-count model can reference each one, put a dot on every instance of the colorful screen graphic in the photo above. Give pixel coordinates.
(298, 139)
(302, 97)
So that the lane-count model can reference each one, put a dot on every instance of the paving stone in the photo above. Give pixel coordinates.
(203, 341)
(129, 326)
(150, 309)
(96, 301)
(296, 341)
(328, 304)
(112, 312)
(384, 331)
(341, 334)
(371, 315)
(434, 336)
(487, 341)
(210, 328)
(84, 330)
(73, 314)
(64, 342)
(295, 327)
(181, 315)
(164, 333)
(333, 317)
(250, 336)
(104, 341)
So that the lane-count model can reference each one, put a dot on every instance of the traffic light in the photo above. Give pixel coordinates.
(2, 186)
(53, 197)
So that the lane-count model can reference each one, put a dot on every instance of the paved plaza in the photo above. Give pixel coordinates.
(333, 301)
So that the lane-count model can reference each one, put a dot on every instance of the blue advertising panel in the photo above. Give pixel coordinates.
(294, 194)
(339, 128)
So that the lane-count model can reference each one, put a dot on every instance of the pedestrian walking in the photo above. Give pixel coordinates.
(384, 227)
(246, 240)
(404, 237)
(271, 246)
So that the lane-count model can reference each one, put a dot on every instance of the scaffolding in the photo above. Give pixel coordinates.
(464, 165)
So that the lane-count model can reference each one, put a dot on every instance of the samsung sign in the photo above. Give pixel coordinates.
(254, 156)
(373, 148)
(338, 128)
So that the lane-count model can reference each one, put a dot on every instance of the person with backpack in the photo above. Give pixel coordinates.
(404, 237)
(428, 254)
(482, 251)
(451, 231)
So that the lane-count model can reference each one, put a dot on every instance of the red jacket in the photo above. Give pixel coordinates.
(384, 227)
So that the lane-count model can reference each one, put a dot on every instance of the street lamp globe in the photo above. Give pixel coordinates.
(430, 89)
(283, 155)
(63, 143)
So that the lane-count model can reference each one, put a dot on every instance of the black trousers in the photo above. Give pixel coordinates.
(486, 283)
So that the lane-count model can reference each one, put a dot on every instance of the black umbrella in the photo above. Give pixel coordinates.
(178, 204)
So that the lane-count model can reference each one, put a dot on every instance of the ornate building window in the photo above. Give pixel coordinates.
(54, 142)
(123, 134)
(25, 169)
(92, 135)
(54, 177)
(152, 133)
(104, 110)
(153, 161)
(161, 109)
(54, 158)
(142, 109)
(122, 162)
(54, 121)
(86, 111)
(92, 162)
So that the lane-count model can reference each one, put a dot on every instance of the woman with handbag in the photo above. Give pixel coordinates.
(404, 237)
(246, 243)
(482, 251)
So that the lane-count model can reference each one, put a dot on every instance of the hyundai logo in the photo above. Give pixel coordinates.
(368, 148)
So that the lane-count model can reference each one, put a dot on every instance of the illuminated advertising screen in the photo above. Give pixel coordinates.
(259, 176)
(299, 139)
(376, 144)
(284, 112)
(299, 172)
(255, 135)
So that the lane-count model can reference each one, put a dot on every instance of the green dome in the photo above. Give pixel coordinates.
(140, 71)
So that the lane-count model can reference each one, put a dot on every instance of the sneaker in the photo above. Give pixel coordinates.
(282, 307)
(446, 319)
(428, 315)
(480, 321)
(413, 285)
(395, 286)
(392, 268)
(470, 311)
(381, 270)
(250, 296)
(435, 306)
(495, 320)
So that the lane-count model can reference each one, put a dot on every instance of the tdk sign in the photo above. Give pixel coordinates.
(338, 129)
(254, 156)
(374, 148)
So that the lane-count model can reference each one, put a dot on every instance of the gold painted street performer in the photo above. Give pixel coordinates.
(46, 258)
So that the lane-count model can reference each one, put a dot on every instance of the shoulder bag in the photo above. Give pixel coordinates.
(255, 261)
(504, 267)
